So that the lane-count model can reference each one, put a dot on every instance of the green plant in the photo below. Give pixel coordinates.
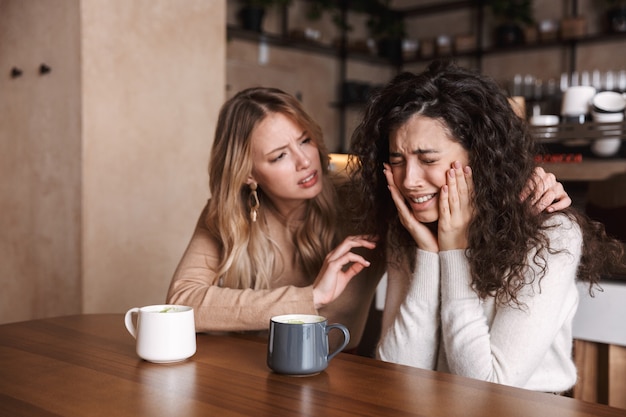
(616, 15)
(318, 7)
(382, 22)
(252, 12)
(512, 11)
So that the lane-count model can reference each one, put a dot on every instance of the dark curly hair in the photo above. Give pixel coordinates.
(501, 152)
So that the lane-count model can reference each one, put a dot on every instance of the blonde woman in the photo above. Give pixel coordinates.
(277, 237)
(271, 239)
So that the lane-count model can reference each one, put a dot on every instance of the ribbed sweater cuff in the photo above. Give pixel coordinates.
(455, 275)
(425, 280)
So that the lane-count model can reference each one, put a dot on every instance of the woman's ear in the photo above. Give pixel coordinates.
(251, 180)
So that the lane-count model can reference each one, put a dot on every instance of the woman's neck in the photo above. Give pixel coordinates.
(287, 214)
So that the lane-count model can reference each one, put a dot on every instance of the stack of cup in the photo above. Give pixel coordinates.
(575, 108)
(608, 107)
(576, 102)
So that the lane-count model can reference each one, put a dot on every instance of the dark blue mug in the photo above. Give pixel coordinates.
(298, 344)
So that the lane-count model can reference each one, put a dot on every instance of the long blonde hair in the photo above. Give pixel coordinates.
(248, 255)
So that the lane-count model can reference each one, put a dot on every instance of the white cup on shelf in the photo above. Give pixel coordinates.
(544, 120)
(608, 102)
(545, 126)
(610, 143)
(576, 101)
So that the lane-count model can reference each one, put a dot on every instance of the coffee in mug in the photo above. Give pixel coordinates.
(165, 333)
(298, 344)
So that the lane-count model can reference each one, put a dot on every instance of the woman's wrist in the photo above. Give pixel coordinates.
(317, 303)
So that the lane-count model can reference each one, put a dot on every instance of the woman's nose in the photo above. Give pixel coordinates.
(413, 175)
(302, 160)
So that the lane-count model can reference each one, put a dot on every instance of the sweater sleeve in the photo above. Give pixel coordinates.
(195, 284)
(520, 341)
(411, 315)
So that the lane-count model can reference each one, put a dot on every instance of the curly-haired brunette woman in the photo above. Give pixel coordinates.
(480, 284)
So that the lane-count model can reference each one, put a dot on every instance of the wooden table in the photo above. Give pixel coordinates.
(86, 366)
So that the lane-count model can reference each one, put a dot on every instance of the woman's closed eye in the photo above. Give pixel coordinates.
(396, 162)
(279, 157)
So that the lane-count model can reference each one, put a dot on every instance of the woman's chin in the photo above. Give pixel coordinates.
(426, 217)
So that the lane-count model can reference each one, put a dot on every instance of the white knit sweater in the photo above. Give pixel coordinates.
(434, 320)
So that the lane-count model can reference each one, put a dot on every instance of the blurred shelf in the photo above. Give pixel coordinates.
(341, 49)
(576, 132)
(438, 7)
(590, 169)
(556, 43)
(573, 142)
(235, 32)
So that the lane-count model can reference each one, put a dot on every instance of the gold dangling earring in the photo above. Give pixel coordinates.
(254, 202)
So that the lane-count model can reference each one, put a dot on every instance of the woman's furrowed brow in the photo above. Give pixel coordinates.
(417, 151)
(285, 146)
(420, 151)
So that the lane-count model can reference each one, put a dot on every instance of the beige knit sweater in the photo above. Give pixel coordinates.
(216, 308)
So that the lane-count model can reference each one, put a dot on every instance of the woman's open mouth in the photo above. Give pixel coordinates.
(309, 181)
(423, 198)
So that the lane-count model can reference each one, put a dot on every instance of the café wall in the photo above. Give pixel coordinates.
(102, 159)
(314, 76)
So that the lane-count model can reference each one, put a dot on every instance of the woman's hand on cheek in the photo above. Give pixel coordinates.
(455, 208)
(423, 237)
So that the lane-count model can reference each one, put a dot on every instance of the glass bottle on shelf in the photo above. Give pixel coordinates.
(621, 81)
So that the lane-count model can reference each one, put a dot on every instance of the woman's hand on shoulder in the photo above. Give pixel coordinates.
(340, 266)
(545, 192)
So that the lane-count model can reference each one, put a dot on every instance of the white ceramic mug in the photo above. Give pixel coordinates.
(576, 100)
(165, 333)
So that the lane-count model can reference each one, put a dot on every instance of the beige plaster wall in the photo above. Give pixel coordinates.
(299, 73)
(39, 160)
(103, 160)
(153, 77)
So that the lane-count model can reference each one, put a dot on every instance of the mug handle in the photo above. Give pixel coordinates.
(128, 321)
(346, 338)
